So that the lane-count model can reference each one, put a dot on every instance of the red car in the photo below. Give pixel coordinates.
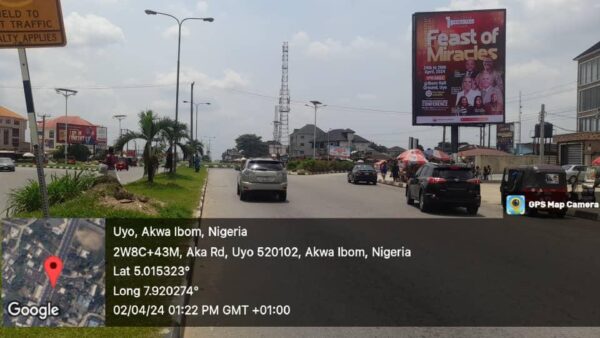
(122, 165)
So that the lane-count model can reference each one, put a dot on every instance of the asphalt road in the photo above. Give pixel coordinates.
(541, 266)
(19, 178)
(320, 196)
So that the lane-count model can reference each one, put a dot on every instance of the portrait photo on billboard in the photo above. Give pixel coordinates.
(459, 67)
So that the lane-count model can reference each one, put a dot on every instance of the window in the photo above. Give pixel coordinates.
(302, 137)
(15, 137)
(5, 136)
(17, 122)
(51, 134)
(589, 99)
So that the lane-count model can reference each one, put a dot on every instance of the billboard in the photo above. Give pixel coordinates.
(339, 152)
(505, 134)
(77, 134)
(459, 67)
(101, 136)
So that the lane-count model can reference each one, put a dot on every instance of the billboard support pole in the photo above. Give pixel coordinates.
(33, 131)
(454, 138)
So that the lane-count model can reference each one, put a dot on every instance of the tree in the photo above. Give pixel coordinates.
(175, 133)
(151, 128)
(252, 145)
(79, 151)
(379, 148)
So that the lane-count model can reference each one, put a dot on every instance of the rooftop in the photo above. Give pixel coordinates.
(5, 112)
(72, 120)
(594, 49)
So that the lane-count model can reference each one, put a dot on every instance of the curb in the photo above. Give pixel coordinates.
(393, 184)
(583, 214)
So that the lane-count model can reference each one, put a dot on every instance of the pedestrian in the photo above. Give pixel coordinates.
(111, 162)
(489, 172)
(197, 162)
(395, 171)
(383, 169)
(485, 173)
(477, 172)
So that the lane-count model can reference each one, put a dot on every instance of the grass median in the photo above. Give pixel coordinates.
(179, 197)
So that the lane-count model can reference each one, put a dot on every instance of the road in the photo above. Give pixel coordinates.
(321, 196)
(19, 178)
(545, 267)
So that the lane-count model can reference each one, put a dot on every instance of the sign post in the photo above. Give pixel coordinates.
(24, 24)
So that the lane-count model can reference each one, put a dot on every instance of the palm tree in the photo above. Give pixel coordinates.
(175, 133)
(151, 128)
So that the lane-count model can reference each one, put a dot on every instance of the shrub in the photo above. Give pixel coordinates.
(60, 189)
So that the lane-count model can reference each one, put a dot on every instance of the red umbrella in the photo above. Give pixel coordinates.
(440, 156)
(596, 161)
(412, 156)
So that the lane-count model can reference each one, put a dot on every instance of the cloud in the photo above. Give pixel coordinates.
(230, 80)
(173, 31)
(92, 31)
(332, 48)
(202, 6)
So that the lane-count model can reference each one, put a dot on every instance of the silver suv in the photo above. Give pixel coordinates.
(262, 174)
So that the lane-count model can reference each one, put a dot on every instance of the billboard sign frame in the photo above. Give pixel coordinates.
(437, 85)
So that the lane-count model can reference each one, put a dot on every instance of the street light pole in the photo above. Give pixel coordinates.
(66, 93)
(196, 105)
(316, 105)
(179, 24)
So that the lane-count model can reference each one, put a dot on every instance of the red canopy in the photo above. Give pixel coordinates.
(412, 156)
(596, 161)
(440, 156)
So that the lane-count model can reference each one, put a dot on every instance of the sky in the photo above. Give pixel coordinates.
(353, 55)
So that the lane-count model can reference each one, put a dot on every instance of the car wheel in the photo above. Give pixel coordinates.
(423, 205)
(472, 209)
(572, 179)
(243, 195)
(238, 189)
(374, 182)
(282, 196)
(409, 200)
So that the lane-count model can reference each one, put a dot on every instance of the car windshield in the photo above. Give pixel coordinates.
(5, 160)
(550, 179)
(453, 173)
(566, 167)
(265, 165)
(364, 167)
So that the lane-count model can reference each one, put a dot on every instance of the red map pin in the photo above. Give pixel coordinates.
(53, 266)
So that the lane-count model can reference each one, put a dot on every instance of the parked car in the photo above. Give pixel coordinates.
(262, 174)
(575, 172)
(444, 185)
(362, 173)
(7, 164)
(538, 183)
(122, 164)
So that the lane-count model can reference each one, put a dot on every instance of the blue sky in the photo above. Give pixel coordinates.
(343, 53)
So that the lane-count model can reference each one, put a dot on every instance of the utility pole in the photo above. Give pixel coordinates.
(66, 93)
(542, 130)
(120, 118)
(520, 120)
(191, 158)
(444, 140)
(44, 133)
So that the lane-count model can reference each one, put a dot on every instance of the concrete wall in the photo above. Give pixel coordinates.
(498, 163)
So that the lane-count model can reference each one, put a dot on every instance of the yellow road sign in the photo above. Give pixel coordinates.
(31, 23)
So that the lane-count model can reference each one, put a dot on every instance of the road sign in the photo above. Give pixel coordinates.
(31, 23)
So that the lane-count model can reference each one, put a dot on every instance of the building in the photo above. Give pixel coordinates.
(80, 132)
(12, 134)
(584, 145)
(301, 141)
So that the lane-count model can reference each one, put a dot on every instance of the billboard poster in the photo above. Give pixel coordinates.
(459, 67)
(339, 152)
(77, 134)
(505, 134)
(101, 136)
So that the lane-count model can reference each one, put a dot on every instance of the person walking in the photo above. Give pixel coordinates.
(477, 172)
(383, 169)
(111, 161)
(197, 162)
(395, 171)
(485, 173)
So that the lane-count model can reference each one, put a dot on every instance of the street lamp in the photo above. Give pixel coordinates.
(179, 24)
(66, 93)
(196, 105)
(316, 105)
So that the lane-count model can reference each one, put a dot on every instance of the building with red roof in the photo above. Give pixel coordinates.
(13, 127)
(80, 131)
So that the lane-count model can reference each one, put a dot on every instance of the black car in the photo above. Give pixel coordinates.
(362, 173)
(444, 185)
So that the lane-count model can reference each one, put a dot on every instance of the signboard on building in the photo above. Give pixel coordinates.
(339, 152)
(459, 67)
(505, 134)
(77, 134)
(31, 23)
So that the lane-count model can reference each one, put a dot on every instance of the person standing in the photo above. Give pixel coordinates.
(485, 173)
(111, 162)
(395, 171)
(383, 169)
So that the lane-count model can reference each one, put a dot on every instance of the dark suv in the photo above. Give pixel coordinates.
(444, 185)
(364, 173)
